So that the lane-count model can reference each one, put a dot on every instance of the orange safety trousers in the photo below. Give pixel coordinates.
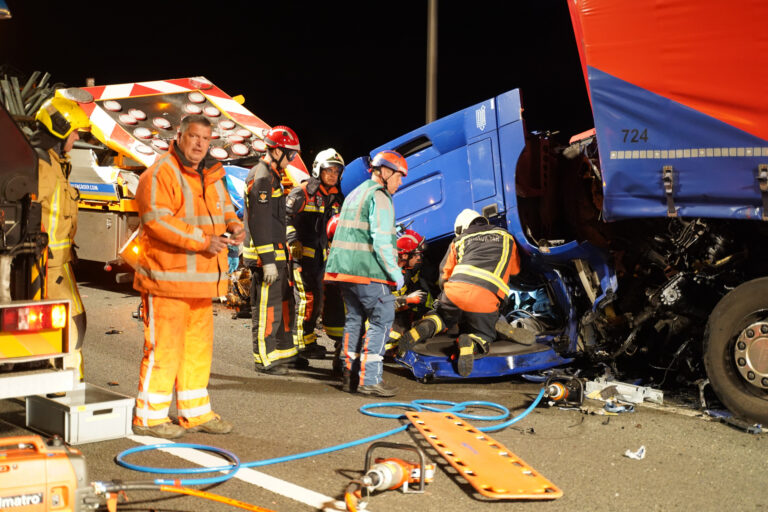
(178, 349)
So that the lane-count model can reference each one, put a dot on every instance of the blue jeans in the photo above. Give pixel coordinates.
(364, 350)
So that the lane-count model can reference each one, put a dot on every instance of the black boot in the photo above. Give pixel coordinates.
(350, 381)
(466, 359)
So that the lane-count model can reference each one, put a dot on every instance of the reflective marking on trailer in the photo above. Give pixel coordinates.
(664, 154)
(270, 483)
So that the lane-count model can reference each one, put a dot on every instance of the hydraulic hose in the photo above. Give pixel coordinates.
(416, 405)
(111, 490)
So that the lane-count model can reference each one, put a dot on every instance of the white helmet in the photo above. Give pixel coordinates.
(465, 219)
(327, 158)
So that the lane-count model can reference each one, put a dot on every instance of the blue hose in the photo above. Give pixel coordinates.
(232, 468)
(416, 405)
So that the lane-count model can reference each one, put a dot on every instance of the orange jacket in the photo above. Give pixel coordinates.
(180, 207)
(477, 268)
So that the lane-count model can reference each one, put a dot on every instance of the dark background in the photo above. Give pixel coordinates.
(351, 75)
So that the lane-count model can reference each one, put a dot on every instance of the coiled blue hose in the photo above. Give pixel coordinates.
(416, 405)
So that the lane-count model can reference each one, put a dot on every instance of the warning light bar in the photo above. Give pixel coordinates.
(37, 317)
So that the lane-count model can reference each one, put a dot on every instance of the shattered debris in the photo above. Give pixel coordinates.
(604, 389)
(638, 455)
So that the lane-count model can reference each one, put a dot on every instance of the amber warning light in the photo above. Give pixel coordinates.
(34, 318)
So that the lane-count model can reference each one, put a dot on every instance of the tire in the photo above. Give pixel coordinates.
(740, 308)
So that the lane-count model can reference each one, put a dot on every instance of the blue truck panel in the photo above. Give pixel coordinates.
(714, 164)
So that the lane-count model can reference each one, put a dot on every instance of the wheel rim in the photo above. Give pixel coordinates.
(750, 354)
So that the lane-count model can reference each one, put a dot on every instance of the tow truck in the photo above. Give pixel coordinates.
(36, 354)
(644, 240)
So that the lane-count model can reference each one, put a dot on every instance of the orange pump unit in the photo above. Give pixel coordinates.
(37, 477)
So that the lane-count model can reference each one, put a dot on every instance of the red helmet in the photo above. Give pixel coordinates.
(392, 160)
(409, 242)
(330, 228)
(282, 137)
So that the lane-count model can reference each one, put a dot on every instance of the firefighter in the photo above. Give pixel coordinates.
(184, 209)
(333, 309)
(474, 276)
(58, 121)
(415, 298)
(265, 254)
(309, 207)
(363, 262)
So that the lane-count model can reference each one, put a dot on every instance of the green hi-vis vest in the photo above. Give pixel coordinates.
(352, 251)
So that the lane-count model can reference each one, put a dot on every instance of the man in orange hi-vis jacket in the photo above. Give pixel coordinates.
(185, 211)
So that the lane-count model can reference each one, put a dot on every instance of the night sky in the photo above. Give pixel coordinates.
(345, 74)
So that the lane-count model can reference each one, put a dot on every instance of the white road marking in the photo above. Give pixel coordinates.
(270, 483)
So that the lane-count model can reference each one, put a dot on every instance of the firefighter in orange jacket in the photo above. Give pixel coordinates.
(185, 209)
(59, 120)
(474, 273)
(265, 254)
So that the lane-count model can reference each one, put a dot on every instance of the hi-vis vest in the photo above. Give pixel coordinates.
(484, 256)
(352, 257)
(59, 205)
(178, 208)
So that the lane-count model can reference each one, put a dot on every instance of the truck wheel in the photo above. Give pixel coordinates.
(736, 350)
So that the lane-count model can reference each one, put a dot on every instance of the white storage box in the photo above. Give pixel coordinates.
(84, 415)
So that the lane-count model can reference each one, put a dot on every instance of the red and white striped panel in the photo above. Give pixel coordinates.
(117, 138)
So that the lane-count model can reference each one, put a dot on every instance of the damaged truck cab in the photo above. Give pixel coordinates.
(644, 241)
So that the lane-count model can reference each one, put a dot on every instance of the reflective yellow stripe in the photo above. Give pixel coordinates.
(264, 249)
(262, 305)
(477, 339)
(277, 192)
(479, 273)
(465, 351)
(435, 320)
(334, 331)
(301, 309)
(504, 255)
(308, 252)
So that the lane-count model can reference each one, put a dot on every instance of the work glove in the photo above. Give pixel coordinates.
(270, 273)
(399, 282)
(296, 249)
(417, 297)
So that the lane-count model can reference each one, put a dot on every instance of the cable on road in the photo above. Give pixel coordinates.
(456, 408)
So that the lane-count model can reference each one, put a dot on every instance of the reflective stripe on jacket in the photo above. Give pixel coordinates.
(264, 215)
(363, 248)
(308, 208)
(179, 208)
(59, 205)
(484, 256)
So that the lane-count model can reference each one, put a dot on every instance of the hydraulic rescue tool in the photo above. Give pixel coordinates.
(564, 389)
(390, 473)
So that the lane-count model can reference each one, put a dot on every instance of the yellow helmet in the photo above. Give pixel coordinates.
(61, 116)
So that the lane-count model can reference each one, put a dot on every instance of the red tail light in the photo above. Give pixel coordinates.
(34, 317)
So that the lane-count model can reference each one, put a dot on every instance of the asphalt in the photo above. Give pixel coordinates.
(691, 463)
